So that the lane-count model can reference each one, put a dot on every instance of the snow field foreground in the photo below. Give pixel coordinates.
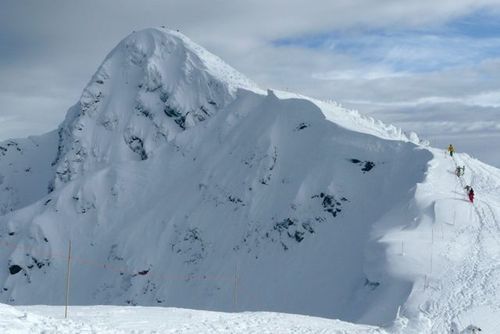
(116, 319)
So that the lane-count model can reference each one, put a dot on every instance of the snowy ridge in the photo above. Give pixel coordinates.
(449, 250)
(353, 120)
(180, 183)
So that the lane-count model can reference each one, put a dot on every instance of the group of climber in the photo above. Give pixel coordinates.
(460, 171)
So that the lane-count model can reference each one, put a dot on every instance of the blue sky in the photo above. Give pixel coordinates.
(463, 41)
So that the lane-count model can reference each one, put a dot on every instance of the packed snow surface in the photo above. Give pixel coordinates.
(114, 319)
(180, 183)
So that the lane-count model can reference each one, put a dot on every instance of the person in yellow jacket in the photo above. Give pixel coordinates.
(451, 149)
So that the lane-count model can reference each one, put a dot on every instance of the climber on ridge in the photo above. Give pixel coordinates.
(460, 171)
(470, 193)
(451, 149)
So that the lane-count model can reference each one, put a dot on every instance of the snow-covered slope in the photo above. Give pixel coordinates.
(181, 183)
(115, 320)
(26, 170)
(451, 249)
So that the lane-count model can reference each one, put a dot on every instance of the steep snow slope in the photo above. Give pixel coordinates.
(452, 249)
(181, 183)
(26, 170)
(283, 208)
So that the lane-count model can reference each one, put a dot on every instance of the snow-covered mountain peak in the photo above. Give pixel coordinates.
(166, 60)
(153, 85)
(170, 57)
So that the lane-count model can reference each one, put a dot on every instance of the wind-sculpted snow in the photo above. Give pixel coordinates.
(180, 183)
(353, 120)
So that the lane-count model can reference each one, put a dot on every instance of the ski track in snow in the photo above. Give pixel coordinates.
(473, 283)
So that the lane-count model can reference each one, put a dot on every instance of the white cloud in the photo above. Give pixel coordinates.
(367, 73)
(486, 99)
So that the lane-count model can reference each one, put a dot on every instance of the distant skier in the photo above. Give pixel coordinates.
(451, 149)
(460, 171)
(470, 193)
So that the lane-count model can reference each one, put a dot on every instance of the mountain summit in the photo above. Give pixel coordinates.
(153, 85)
(181, 183)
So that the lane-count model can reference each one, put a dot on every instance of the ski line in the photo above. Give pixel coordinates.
(474, 277)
